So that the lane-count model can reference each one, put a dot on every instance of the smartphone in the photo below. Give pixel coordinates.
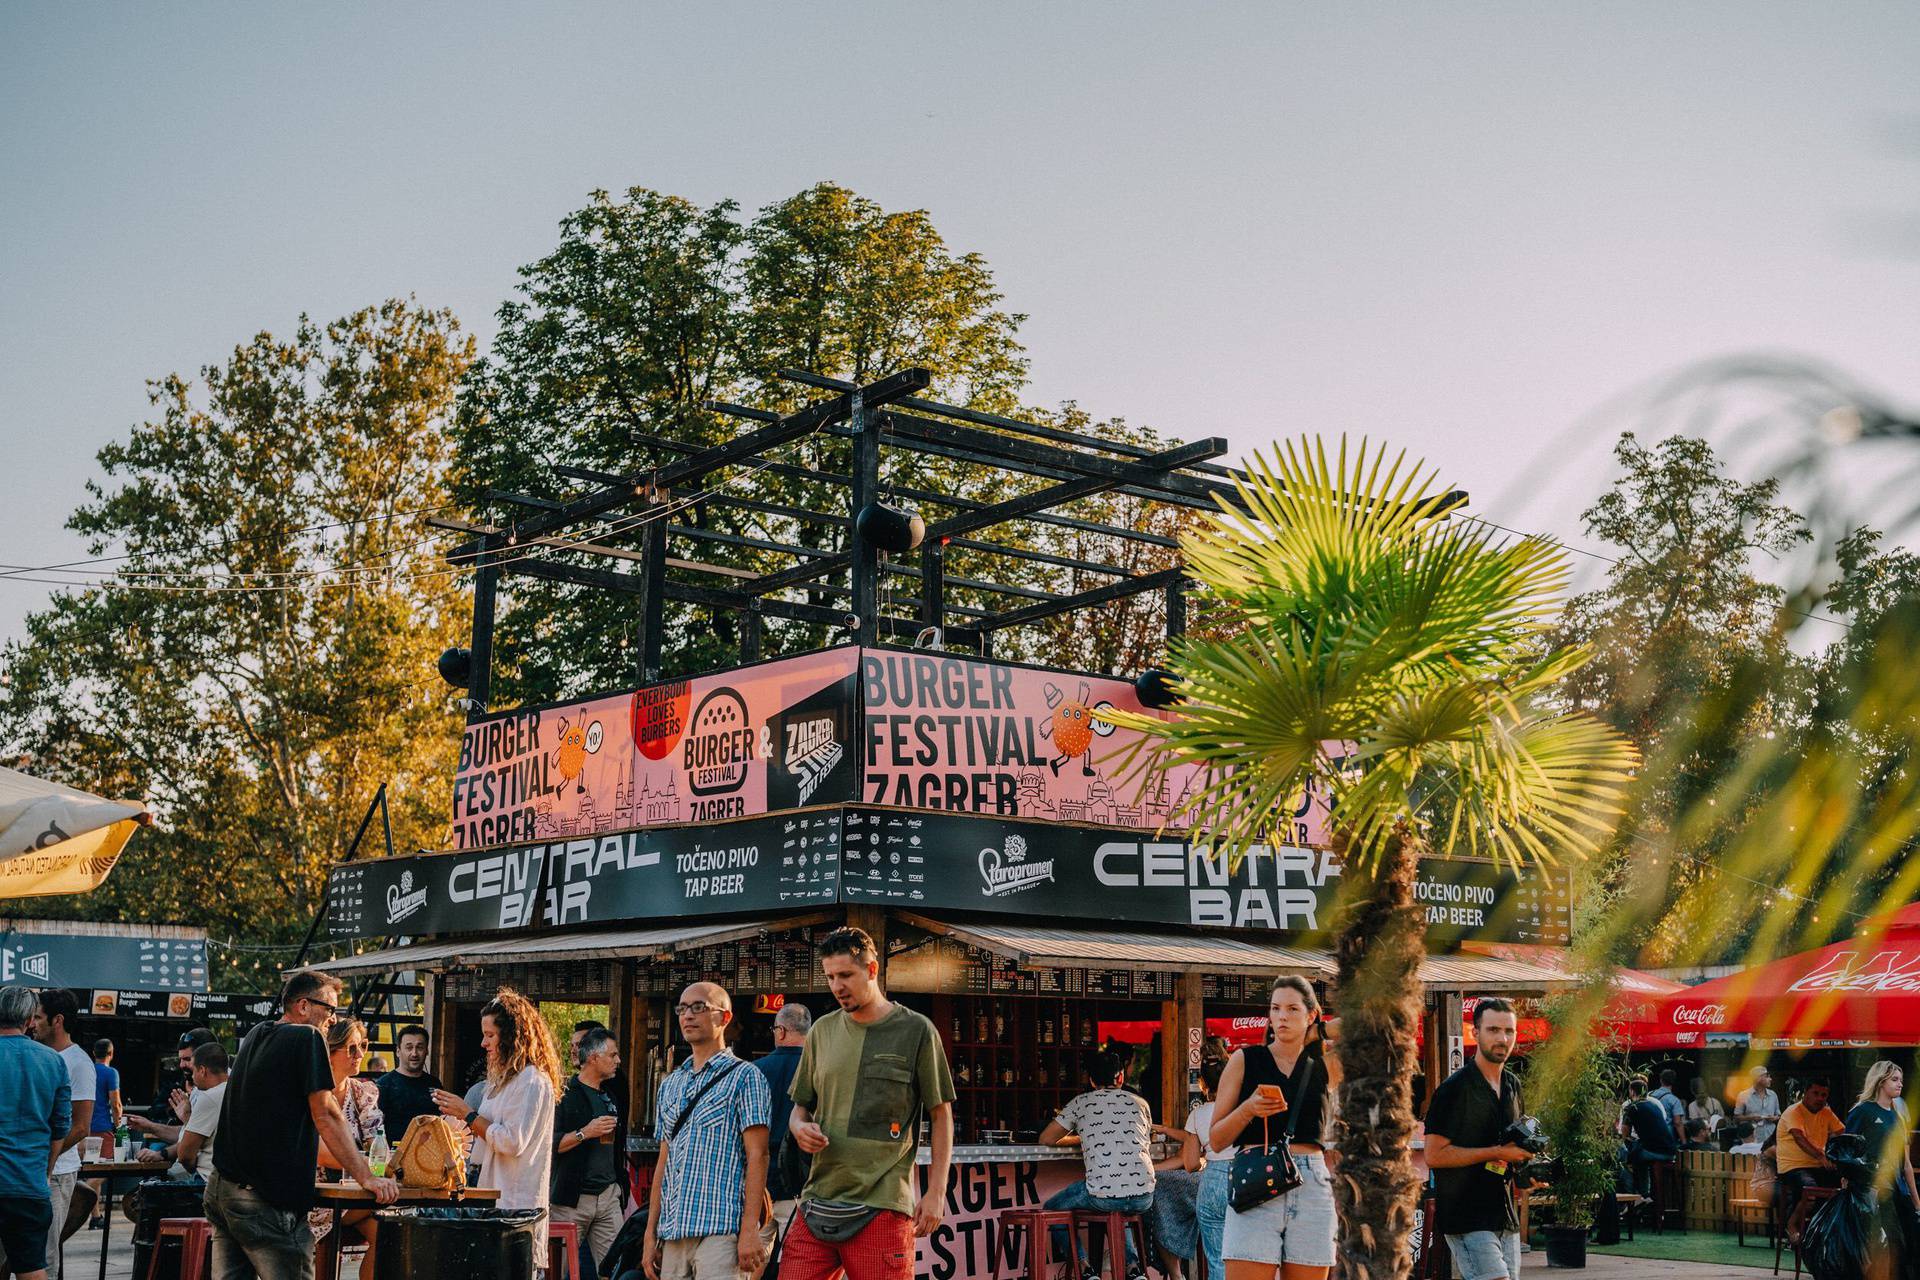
(1272, 1091)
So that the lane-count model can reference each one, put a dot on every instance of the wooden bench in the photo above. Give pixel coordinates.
(1627, 1201)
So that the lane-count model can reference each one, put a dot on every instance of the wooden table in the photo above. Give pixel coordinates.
(338, 1196)
(108, 1170)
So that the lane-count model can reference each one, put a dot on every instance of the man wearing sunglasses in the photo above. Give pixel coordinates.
(280, 1096)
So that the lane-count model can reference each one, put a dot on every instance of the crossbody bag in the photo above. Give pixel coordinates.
(767, 1228)
(1260, 1175)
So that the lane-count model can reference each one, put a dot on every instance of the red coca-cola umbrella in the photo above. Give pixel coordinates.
(1864, 989)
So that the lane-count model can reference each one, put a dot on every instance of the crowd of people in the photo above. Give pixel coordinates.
(804, 1161)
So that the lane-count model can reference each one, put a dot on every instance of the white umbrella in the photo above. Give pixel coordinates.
(57, 839)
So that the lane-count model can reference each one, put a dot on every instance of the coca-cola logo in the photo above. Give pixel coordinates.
(1887, 971)
(1706, 1015)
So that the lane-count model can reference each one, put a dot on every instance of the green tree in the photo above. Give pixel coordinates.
(1682, 608)
(262, 658)
(1373, 619)
(650, 307)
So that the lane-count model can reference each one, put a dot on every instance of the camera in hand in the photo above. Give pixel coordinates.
(1526, 1134)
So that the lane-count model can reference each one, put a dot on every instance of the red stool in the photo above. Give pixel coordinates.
(563, 1241)
(196, 1242)
(1116, 1226)
(1038, 1225)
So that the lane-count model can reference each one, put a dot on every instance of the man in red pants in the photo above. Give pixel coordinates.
(870, 1070)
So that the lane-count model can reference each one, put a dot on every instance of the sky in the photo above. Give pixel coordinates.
(1459, 228)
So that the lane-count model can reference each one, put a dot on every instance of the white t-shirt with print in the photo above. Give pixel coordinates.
(1116, 1135)
(81, 1075)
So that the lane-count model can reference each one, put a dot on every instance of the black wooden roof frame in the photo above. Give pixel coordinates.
(871, 417)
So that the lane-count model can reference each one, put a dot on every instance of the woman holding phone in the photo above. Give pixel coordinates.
(1292, 1077)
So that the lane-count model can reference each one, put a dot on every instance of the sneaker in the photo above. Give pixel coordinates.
(95, 1223)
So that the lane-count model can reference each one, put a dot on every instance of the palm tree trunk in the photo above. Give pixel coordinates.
(1378, 952)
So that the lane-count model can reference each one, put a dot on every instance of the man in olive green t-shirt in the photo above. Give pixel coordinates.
(869, 1072)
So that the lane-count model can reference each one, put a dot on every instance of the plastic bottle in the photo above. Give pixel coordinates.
(122, 1141)
(378, 1152)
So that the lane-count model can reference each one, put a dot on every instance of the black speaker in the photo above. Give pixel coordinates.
(456, 667)
(1157, 688)
(890, 528)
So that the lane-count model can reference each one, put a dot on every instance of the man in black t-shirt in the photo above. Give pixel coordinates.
(1473, 1171)
(406, 1092)
(280, 1103)
(589, 1148)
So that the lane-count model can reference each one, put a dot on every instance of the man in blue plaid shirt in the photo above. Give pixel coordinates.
(708, 1215)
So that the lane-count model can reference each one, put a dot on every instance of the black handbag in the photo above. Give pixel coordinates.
(1258, 1176)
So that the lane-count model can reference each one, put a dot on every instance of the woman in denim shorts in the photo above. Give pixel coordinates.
(1291, 1235)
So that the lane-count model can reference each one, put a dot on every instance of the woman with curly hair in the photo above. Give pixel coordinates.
(513, 1126)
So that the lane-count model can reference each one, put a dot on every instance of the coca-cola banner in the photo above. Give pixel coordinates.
(942, 732)
(1867, 991)
(777, 735)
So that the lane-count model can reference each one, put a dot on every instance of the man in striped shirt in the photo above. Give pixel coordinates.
(707, 1219)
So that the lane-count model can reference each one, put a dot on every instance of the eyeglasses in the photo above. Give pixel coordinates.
(696, 1008)
(333, 1010)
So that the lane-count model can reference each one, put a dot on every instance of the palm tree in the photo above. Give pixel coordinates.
(1390, 651)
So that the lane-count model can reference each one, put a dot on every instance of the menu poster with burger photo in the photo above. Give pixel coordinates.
(727, 745)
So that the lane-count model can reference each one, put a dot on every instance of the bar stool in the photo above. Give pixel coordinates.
(563, 1241)
(1038, 1225)
(196, 1242)
(1116, 1226)
(1666, 1194)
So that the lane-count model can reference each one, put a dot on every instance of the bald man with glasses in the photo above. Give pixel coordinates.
(708, 1216)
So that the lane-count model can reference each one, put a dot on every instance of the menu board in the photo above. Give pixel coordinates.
(114, 961)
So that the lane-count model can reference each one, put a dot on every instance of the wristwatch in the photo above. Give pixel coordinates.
(580, 1135)
(471, 1117)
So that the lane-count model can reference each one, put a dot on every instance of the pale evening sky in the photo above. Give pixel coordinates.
(1457, 227)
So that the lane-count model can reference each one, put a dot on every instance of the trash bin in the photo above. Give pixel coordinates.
(158, 1198)
(472, 1244)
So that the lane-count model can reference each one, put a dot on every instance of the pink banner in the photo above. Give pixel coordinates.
(777, 735)
(981, 737)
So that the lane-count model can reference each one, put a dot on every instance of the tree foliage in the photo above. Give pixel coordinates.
(649, 307)
(1391, 658)
(263, 658)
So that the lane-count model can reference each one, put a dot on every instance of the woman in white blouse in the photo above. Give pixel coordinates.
(513, 1126)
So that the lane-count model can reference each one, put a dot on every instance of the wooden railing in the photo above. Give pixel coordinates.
(1709, 1181)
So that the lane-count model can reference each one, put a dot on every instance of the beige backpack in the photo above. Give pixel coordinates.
(431, 1155)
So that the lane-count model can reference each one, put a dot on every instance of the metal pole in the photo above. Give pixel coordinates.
(480, 648)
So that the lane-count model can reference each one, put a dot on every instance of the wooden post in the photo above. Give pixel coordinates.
(440, 1014)
(480, 643)
(874, 921)
(933, 583)
(1183, 1029)
(865, 581)
(653, 600)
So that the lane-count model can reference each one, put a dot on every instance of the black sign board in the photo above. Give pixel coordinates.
(918, 859)
(966, 862)
(757, 864)
(122, 963)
